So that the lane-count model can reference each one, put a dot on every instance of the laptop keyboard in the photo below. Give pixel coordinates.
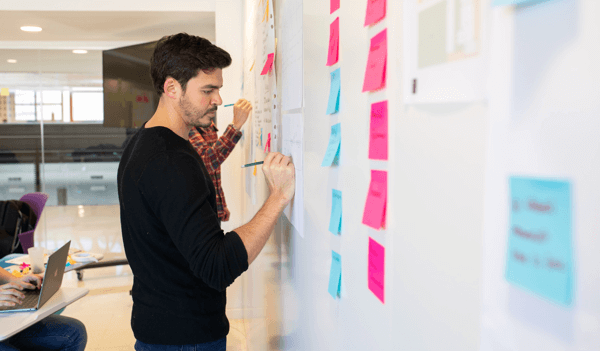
(30, 300)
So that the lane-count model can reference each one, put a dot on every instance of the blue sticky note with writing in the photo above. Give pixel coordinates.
(334, 93)
(335, 221)
(540, 249)
(333, 148)
(335, 275)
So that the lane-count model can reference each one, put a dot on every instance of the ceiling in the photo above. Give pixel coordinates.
(46, 59)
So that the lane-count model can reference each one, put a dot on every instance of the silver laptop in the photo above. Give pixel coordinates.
(53, 277)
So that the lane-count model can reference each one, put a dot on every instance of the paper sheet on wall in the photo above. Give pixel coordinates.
(444, 39)
(293, 145)
(291, 56)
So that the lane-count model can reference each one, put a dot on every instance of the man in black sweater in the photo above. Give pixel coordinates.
(181, 259)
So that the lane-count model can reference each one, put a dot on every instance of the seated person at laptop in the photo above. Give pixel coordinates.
(54, 333)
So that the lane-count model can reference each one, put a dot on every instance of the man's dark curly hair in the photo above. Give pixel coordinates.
(182, 56)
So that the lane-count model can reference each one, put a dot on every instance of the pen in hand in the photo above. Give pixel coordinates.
(252, 164)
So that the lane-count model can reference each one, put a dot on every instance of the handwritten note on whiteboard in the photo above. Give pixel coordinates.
(334, 42)
(333, 105)
(540, 249)
(333, 148)
(335, 221)
(335, 275)
(375, 11)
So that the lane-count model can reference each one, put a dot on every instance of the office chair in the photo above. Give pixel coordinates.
(36, 201)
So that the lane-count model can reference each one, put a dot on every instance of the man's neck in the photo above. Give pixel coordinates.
(167, 116)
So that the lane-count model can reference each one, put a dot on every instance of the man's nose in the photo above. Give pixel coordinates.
(218, 100)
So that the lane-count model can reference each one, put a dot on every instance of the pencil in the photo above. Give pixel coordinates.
(227, 105)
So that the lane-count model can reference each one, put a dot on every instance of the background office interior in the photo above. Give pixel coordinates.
(533, 113)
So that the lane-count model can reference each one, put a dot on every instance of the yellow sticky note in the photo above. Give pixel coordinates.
(4, 92)
(254, 173)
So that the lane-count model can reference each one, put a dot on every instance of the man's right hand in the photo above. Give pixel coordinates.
(11, 295)
(241, 111)
(280, 175)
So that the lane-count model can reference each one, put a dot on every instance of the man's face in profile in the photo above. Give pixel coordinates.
(201, 97)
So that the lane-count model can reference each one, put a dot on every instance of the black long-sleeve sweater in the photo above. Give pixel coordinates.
(181, 259)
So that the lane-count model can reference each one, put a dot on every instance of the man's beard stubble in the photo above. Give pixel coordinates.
(193, 114)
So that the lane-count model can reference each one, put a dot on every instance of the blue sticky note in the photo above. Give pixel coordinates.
(335, 275)
(540, 249)
(335, 221)
(333, 148)
(334, 93)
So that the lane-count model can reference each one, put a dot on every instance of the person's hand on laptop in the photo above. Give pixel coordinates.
(10, 294)
(30, 282)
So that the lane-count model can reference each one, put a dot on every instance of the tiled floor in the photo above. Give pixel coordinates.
(106, 310)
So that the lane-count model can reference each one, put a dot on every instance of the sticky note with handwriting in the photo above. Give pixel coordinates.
(334, 42)
(333, 104)
(333, 5)
(540, 249)
(377, 269)
(378, 136)
(268, 64)
(335, 221)
(375, 207)
(333, 148)
(335, 275)
(376, 63)
(375, 11)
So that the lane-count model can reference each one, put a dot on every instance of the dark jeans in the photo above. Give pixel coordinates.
(218, 345)
(54, 333)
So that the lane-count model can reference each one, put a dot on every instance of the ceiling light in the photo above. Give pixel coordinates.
(79, 51)
(11, 61)
(31, 29)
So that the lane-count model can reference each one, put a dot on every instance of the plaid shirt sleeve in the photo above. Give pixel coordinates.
(212, 150)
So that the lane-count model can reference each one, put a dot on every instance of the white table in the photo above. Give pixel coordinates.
(12, 323)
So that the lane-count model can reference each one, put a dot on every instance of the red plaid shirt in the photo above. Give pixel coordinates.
(214, 151)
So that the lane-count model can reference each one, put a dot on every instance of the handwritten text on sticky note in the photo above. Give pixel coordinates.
(334, 42)
(333, 104)
(376, 63)
(335, 221)
(378, 139)
(376, 269)
(540, 248)
(333, 148)
(375, 11)
(335, 275)
(374, 214)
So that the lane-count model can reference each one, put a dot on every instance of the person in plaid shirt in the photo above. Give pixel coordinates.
(214, 150)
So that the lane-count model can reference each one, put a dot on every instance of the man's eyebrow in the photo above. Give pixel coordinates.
(211, 86)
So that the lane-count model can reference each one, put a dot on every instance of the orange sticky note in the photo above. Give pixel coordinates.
(376, 269)
(334, 42)
(378, 140)
(268, 64)
(375, 11)
(334, 5)
(374, 214)
(376, 64)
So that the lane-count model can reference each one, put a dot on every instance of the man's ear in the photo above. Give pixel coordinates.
(172, 88)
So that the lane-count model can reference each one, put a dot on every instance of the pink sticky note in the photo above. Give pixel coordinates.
(334, 42)
(268, 144)
(334, 5)
(375, 11)
(376, 269)
(374, 214)
(378, 141)
(268, 64)
(376, 64)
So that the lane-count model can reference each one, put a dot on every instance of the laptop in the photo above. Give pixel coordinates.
(53, 277)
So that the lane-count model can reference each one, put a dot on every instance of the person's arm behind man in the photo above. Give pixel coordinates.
(214, 153)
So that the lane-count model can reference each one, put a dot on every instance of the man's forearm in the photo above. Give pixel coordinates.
(255, 233)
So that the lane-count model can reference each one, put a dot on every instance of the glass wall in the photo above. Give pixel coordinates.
(52, 137)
